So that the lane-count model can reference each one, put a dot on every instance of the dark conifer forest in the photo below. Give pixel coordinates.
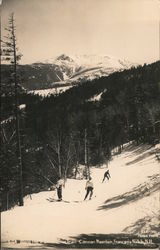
(56, 130)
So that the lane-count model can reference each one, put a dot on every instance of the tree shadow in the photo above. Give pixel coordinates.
(141, 157)
(147, 225)
(142, 190)
(107, 241)
(137, 149)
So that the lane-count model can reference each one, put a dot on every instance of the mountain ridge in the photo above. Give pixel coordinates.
(66, 70)
(87, 67)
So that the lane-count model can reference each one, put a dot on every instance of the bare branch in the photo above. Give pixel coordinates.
(52, 164)
(4, 135)
(14, 132)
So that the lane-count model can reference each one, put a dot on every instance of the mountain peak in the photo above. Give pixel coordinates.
(64, 57)
(80, 68)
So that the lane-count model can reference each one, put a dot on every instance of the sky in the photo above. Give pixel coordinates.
(126, 29)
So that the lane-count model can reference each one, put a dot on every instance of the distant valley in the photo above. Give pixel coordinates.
(66, 70)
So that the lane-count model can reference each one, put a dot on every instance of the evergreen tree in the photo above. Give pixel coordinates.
(11, 56)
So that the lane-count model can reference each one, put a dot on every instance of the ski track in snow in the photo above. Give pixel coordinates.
(42, 220)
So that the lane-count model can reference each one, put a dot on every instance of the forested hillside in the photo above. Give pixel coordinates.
(65, 70)
(58, 131)
(34, 76)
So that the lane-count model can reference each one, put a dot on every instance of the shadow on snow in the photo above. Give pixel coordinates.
(142, 190)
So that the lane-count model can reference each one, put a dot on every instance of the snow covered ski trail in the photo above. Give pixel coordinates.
(128, 202)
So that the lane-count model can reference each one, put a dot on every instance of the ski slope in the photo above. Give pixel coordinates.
(128, 202)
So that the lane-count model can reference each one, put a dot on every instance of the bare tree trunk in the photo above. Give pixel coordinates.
(76, 169)
(86, 155)
(59, 159)
(88, 169)
(7, 200)
(85, 147)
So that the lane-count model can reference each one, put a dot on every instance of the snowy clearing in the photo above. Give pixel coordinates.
(50, 91)
(128, 202)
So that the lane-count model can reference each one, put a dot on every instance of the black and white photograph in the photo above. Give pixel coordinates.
(79, 124)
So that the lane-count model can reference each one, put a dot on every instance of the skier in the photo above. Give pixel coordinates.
(106, 175)
(89, 188)
(59, 185)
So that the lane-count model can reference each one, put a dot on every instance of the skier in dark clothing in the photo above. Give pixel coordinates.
(106, 175)
(89, 188)
(59, 185)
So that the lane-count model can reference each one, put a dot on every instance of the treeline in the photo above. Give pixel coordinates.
(70, 127)
(128, 109)
(34, 76)
(59, 133)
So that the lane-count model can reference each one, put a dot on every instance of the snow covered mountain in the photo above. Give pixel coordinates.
(127, 203)
(78, 68)
(66, 70)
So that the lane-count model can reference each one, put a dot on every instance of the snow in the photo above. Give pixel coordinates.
(91, 60)
(75, 68)
(96, 97)
(131, 172)
(22, 106)
(22, 245)
(89, 67)
(11, 118)
(50, 91)
(99, 60)
(80, 68)
(8, 120)
(157, 146)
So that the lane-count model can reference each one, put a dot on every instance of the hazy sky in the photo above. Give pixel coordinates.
(122, 28)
